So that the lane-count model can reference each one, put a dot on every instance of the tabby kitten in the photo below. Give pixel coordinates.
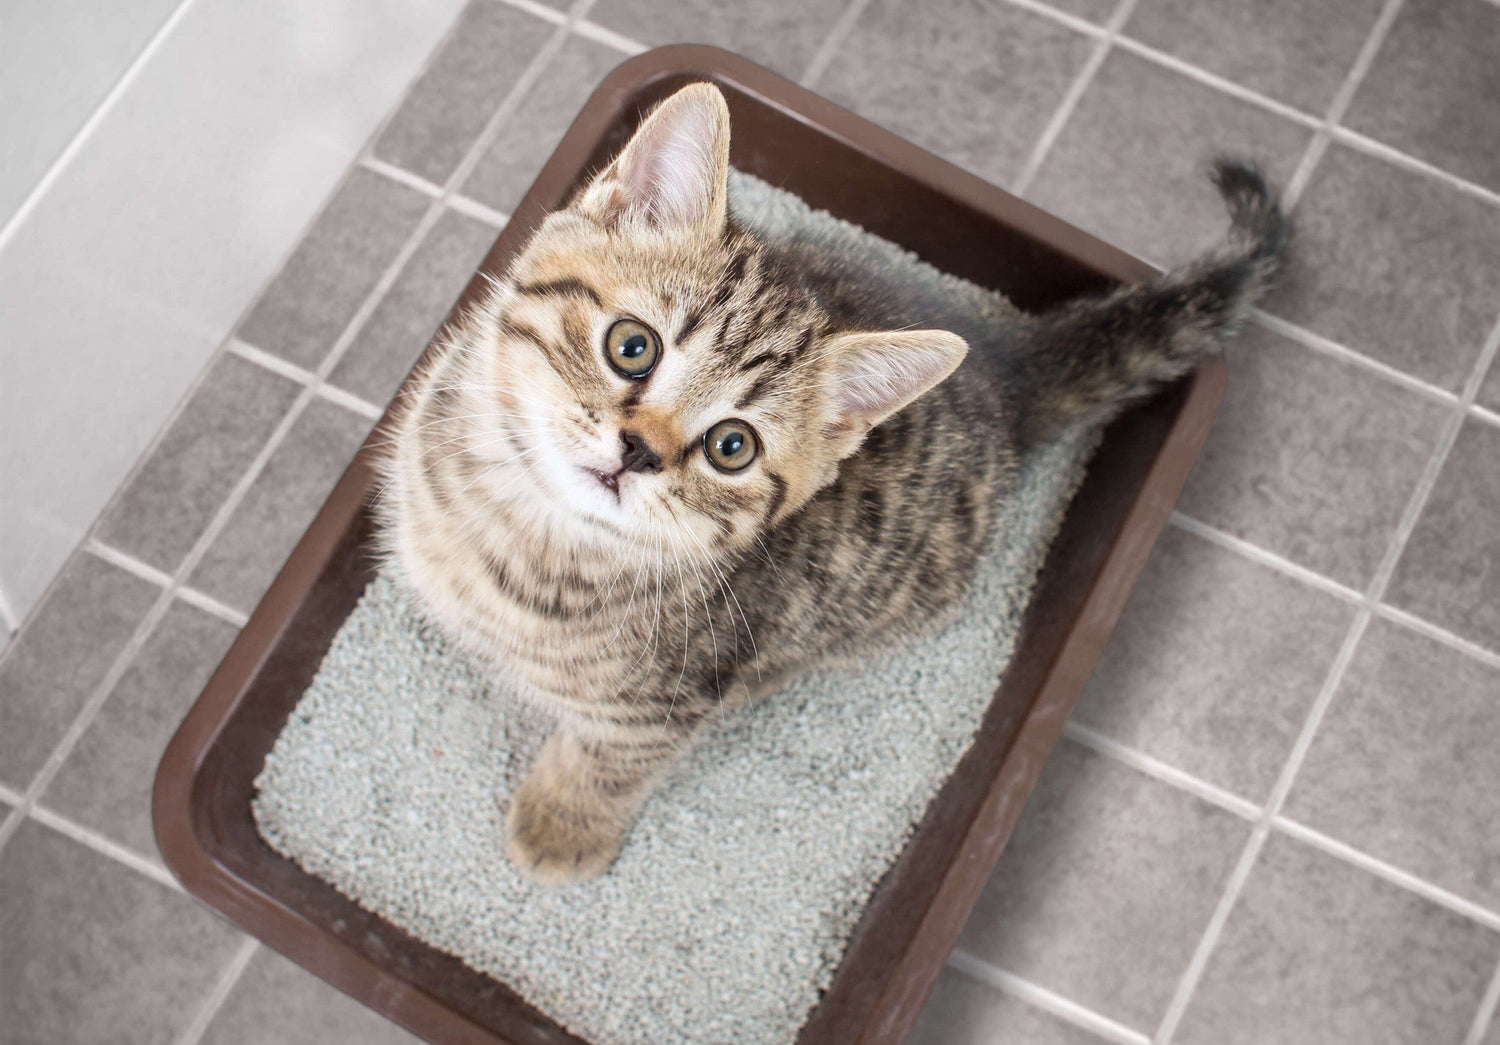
(666, 464)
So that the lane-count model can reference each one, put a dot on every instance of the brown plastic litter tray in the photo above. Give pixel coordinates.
(836, 161)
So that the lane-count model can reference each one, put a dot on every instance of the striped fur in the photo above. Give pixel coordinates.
(637, 611)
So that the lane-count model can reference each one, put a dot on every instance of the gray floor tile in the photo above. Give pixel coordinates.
(1132, 163)
(1404, 768)
(963, 1011)
(334, 268)
(277, 1001)
(1450, 571)
(171, 499)
(1214, 665)
(1097, 11)
(1311, 458)
(1317, 952)
(1432, 88)
(780, 34)
(94, 953)
(974, 81)
(280, 504)
(61, 657)
(409, 314)
(106, 781)
(1394, 264)
(1105, 887)
(491, 46)
(1296, 52)
(528, 137)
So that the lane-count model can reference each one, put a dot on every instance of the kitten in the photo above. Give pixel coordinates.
(666, 464)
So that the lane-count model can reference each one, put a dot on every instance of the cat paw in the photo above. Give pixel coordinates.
(553, 843)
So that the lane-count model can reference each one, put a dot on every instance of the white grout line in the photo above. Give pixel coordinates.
(146, 572)
(1340, 104)
(307, 378)
(1071, 21)
(472, 208)
(1073, 96)
(401, 176)
(1486, 1013)
(100, 113)
(9, 797)
(8, 619)
(1483, 413)
(609, 38)
(1404, 529)
(92, 839)
(542, 11)
(833, 41)
(1326, 346)
(1488, 657)
(1389, 872)
(220, 993)
(1260, 555)
(1370, 146)
(1041, 998)
(1159, 770)
(1217, 82)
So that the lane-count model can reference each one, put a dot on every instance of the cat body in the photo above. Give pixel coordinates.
(668, 462)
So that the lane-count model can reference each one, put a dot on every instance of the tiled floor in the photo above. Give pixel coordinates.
(1276, 817)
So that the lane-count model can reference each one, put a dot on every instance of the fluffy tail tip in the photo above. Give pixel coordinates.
(1253, 206)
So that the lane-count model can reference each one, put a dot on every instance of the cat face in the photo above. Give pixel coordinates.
(654, 372)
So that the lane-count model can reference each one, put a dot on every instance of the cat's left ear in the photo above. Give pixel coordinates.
(673, 175)
(874, 375)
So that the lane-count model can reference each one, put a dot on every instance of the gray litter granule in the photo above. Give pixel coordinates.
(729, 907)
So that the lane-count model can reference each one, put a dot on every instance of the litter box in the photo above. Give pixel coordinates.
(837, 162)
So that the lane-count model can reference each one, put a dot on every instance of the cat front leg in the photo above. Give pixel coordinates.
(569, 816)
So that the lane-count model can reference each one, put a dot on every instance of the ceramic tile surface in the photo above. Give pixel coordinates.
(1384, 933)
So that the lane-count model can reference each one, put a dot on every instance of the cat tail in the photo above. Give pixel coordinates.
(1088, 359)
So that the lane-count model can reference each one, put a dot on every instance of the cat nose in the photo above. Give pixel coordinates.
(638, 455)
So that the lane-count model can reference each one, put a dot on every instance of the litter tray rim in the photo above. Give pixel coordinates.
(875, 1010)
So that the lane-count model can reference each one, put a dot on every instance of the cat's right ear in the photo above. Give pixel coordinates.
(673, 175)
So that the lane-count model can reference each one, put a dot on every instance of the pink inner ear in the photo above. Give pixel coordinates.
(668, 173)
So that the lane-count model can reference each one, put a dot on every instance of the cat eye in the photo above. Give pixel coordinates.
(729, 445)
(632, 348)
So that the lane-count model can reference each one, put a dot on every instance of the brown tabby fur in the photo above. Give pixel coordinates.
(638, 617)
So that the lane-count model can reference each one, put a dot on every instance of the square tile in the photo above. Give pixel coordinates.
(1311, 457)
(1404, 765)
(1290, 50)
(1396, 265)
(1214, 665)
(279, 505)
(411, 311)
(1432, 88)
(334, 268)
(1105, 887)
(178, 488)
(974, 81)
(1097, 11)
(1317, 952)
(96, 954)
(106, 781)
(464, 84)
(277, 1001)
(61, 656)
(1132, 163)
(528, 137)
(1449, 572)
(963, 1011)
(780, 34)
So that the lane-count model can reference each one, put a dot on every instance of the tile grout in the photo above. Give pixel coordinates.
(1164, 772)
(105, 846)
(1342, 99)
(1039, 997)
(321, 388)
(146, 572)
(828, 49)
(1074, 94)
(219, 993)
(1488, 1004)
(1417, 501)
(1262, 556)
